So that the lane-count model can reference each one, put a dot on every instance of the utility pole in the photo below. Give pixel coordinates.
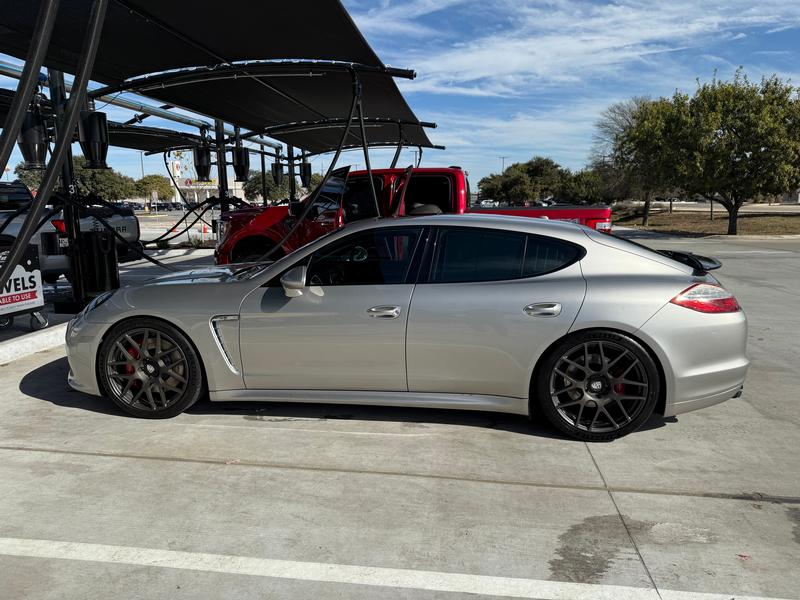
(141, 160)
(503, 168)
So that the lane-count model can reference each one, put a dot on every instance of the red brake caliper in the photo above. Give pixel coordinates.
(130, 370)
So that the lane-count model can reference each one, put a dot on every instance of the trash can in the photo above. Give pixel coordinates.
(98, 256)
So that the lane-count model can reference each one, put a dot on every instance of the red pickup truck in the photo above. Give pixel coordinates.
(247, 234)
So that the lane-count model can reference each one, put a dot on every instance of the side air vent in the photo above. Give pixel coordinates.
(216, 324)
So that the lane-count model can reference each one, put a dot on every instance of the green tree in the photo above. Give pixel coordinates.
(649, 150)
(275, 193)
(582, 187)
(545, 174)
(106, 184)
(490, 187)
(516, 186)
(729, 142)
(743, 141)
(32, 179)
(159, 184)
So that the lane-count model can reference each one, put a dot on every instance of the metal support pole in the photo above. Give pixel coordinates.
(63, 139)
(263, 179)
(364, 142)
(72, 220)
(399, 145)
(30, 77)
(222, 165)
(292, 182)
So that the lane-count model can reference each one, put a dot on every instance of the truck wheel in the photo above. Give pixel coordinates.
(6, 322)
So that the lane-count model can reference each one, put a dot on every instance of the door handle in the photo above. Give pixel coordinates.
(543, 309)
(384, 312)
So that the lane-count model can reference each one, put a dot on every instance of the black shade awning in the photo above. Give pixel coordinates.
(148, 36)
(318, 94)
(148, 139)
(190, 55)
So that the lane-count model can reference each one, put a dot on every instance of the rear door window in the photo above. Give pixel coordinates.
(474, 254)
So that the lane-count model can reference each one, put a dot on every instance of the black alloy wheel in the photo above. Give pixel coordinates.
(598, 386)
(149, 369)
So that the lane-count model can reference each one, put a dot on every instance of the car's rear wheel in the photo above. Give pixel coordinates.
(149, 369)
(597, 385)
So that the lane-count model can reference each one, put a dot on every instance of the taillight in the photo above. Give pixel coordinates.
(707, 298)
(604, 226)
(59, 225)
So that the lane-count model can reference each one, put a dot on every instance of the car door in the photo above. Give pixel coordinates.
(346, 331)
(490, 302)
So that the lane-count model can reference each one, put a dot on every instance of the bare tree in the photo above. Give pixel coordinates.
(614, 121)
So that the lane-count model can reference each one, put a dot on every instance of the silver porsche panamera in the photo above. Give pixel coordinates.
(516, 315)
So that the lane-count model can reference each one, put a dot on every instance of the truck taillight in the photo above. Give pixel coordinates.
(60, 225)
(707, 298)
(604, 226)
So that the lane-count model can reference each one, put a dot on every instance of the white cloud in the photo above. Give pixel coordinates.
(509, 48)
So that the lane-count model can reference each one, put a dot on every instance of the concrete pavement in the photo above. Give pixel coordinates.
(298, 501)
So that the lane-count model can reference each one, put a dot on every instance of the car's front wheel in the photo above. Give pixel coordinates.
(597, 385)
(149, 369)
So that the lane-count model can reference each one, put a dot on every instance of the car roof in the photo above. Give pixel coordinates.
(534, 225)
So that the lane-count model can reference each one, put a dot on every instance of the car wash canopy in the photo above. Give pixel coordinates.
(285, 69)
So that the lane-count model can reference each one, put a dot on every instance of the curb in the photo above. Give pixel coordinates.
(31, 343)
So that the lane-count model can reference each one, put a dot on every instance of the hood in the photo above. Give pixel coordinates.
(200, 275)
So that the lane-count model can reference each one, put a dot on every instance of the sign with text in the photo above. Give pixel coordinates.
(23, 291)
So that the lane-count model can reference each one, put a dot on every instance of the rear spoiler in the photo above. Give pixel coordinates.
(701, 264)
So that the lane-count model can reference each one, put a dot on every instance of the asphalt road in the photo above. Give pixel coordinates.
(309, 501)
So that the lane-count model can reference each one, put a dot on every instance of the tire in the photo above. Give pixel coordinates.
(6, 322)
(163, 383)
(608, 397)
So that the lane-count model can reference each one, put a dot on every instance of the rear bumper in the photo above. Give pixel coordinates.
(703, 356)
(684, 406)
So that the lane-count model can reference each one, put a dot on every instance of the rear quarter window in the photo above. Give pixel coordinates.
(474, 254)
(618, 243)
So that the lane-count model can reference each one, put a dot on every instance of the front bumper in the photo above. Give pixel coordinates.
(82, 341)
(703, 356)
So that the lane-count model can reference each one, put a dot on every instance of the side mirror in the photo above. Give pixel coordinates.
(293, 281)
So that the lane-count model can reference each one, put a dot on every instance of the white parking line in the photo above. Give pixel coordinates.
(344, 574)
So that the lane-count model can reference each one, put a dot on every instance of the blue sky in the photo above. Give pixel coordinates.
(516, 79)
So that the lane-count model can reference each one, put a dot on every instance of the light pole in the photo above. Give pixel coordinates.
(141, 161)
(503, 167)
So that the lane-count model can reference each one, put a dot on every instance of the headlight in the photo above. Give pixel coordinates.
(97, 302)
